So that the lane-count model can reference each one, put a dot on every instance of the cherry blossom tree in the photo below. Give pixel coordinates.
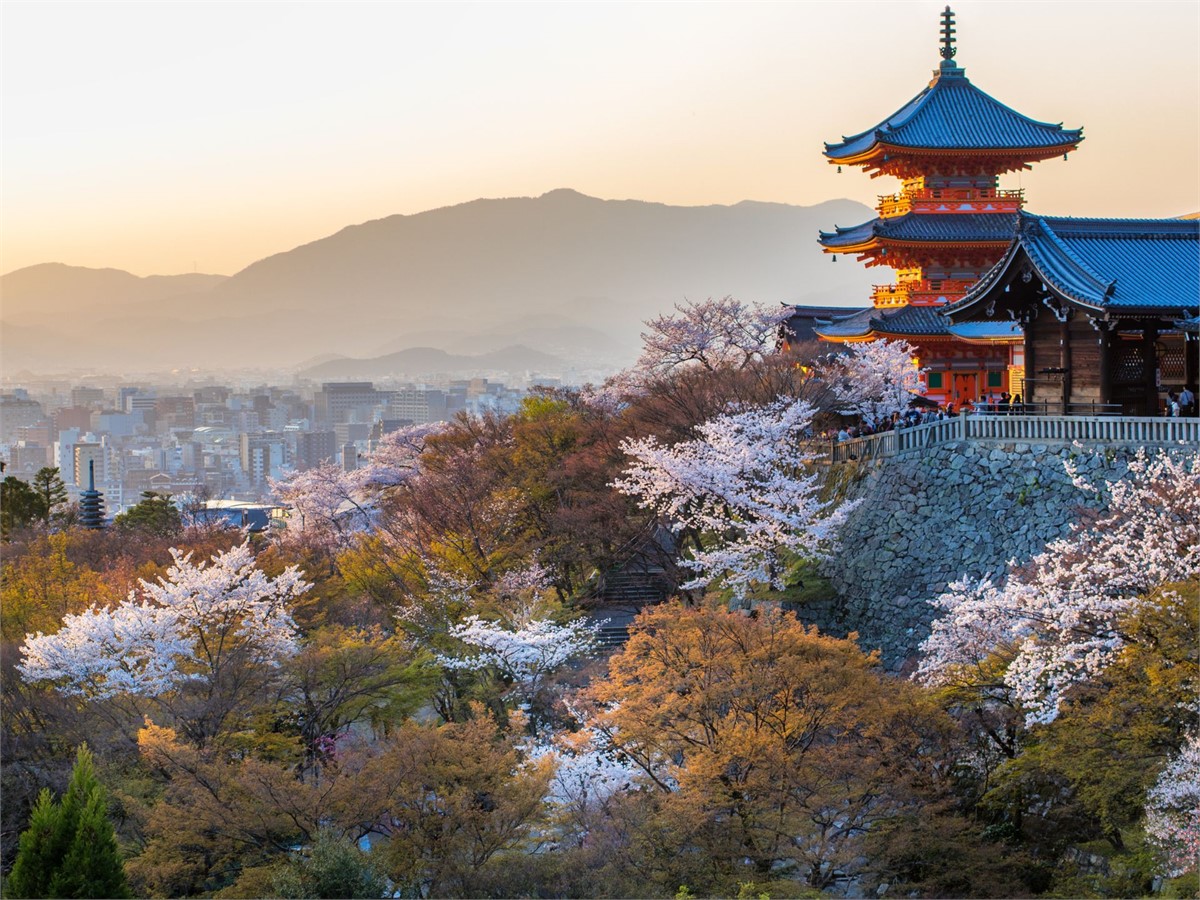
(712, 334)
(526, 653)
(523, 643)
(588, 770)
(744, 484)
(874, 379)
(331, 505)
(1057, 621)
(1173, 810)
(188, 627)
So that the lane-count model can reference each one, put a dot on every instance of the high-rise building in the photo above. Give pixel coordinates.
(314, 448)
(345, 401)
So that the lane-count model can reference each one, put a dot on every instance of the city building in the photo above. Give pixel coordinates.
(349, 401)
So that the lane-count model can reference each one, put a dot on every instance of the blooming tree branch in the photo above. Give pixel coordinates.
(184, 627)
(744, 481)
(1059, 617)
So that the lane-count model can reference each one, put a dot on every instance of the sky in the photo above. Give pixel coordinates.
(169, 137)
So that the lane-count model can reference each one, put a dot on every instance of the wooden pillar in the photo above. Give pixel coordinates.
(1030, 361)
(1064, 343)
(1105, 363)
(1149, 339)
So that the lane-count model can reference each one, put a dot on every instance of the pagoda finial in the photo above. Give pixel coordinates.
(948, 48)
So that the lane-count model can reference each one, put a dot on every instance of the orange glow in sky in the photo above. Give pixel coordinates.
(172, 137)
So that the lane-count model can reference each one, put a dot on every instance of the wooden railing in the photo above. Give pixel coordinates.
(1127, 430)
(905, 201)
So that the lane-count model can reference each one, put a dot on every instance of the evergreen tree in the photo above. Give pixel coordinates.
(36, 851)
(50, 490)
(69, 849)
(153, 514)
(18, 505)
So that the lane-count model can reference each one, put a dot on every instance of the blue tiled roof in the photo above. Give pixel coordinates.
(987, 331)
(953, 114)
(1115, 264)
(913, 226)
(914, 321)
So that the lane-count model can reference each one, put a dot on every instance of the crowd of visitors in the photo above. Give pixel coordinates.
(914, 415)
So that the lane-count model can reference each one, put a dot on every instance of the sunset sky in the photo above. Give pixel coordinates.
(170, 137)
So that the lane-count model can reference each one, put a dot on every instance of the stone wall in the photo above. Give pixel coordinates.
(928, 518)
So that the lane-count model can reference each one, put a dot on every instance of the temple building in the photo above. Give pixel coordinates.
(949, 223)
(1107, 309)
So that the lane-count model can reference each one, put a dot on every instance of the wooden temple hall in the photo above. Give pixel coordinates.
(1075, 315)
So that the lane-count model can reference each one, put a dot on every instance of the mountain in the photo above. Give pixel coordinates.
(416, 362)
(58, 290)
(562, 273)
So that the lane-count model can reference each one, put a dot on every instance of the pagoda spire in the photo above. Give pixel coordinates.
(948, 31)
(91, 502)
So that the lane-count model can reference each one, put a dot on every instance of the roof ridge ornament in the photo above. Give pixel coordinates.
(948, 31)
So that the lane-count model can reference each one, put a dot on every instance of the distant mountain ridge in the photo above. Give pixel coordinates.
(563, 273)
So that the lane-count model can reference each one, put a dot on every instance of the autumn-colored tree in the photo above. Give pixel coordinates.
(343, 676)
(443, 802)
(456, 797)
(1085, 776)
(769, 742)
(43, 584)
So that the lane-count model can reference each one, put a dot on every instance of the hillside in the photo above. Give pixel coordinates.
(561, 273)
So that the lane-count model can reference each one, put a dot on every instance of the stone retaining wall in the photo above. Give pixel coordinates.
(928, 518)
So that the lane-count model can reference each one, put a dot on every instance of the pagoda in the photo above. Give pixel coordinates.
(948, 224)
(91, 502)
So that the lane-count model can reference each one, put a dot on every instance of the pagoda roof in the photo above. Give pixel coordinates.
(949, 228)
(952, 114)
(906, 321)
(1114, 265)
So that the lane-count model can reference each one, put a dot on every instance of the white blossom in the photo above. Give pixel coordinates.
(1173, 810)
(712, 334)
(526, 653)
(588, 771)
(332, 505)
(744, 481)
(874, 379)
(1059, 616)
(178, 629)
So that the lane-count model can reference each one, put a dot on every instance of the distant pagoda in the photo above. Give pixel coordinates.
(949, 224)
(91, 502)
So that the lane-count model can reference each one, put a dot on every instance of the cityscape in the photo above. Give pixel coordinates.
(219, 446)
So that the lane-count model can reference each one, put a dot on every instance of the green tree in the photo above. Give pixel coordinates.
(18, 505)
(335, 868)
(154, 514)
(51, 492)
(69, 849)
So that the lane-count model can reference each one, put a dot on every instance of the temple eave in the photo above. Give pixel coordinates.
(891, 159)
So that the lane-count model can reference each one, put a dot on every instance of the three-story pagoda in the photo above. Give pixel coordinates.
(948, 224)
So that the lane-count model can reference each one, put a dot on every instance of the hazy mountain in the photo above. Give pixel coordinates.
(415, 362)
(562, 273)
(54, 289)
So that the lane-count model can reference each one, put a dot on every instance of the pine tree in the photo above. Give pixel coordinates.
(92, 866)
(69, 849)
(51, 492)
(36, 851)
